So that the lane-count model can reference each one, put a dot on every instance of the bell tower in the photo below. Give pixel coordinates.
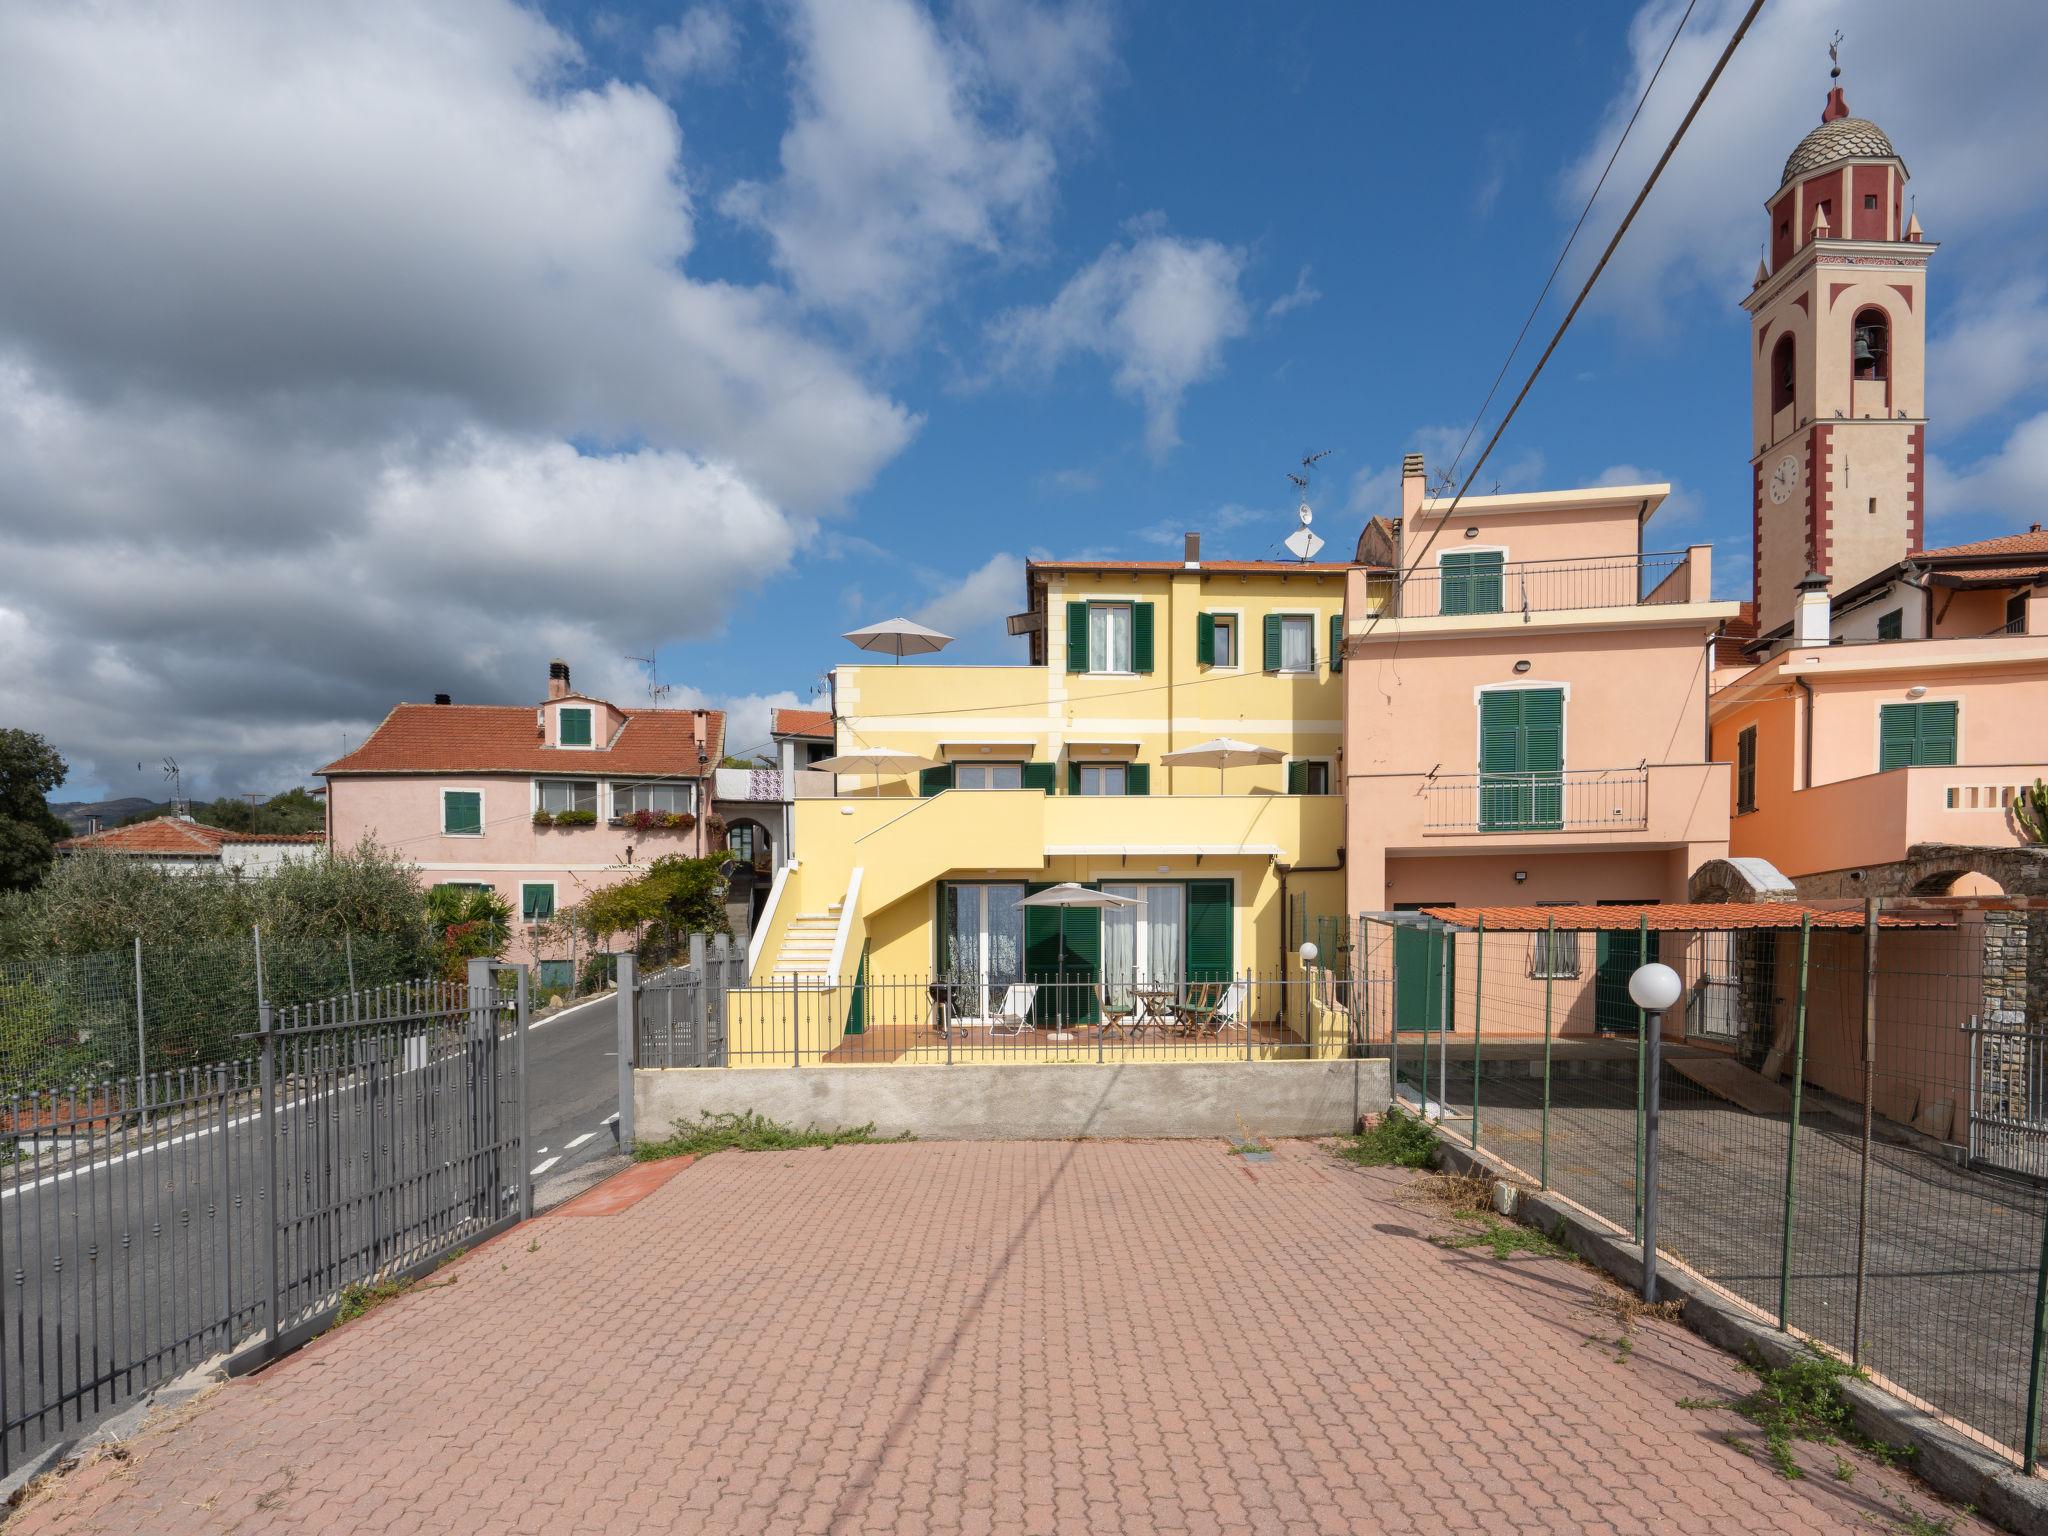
(1838, 330)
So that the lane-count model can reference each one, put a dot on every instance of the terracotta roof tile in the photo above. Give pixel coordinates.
(500, 738)
(1213, 567)
(178, 837)
(2033, 542)
(802, 722)
(1681, 917)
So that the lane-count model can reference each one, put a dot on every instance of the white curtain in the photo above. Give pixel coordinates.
(1120, 946)
(1109, 638)
(1296, 644)
(1163, 911)
(1005, 934)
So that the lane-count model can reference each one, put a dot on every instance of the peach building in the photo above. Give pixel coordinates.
(1525, 705)
(542, 803)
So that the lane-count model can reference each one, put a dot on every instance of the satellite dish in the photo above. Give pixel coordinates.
(1303, 544)
(1303, 514)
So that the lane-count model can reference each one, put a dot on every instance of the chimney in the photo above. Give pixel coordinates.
(1191, 551)
(1810, 611)
(442, 698)
(1413, 482)
(697, 732)
(558, 678)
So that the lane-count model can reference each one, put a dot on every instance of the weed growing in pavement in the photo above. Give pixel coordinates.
(1845, 1469)
(1803, 1400)
(752, 1132)
(359, 1298)
(1248, 1140)
(1627, 1309)
(1396, 1140)
(1504, 1239)
(1914, 1523)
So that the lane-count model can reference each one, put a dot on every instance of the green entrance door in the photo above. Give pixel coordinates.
(1616, 956)
(1422, 961)
(1521, 760)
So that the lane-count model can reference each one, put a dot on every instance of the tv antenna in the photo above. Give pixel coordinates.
(657, 690)
(1303, 542)
(178, 806)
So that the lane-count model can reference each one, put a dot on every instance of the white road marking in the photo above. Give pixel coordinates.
(612, 1118)
(577, 1142)
(543, 1166)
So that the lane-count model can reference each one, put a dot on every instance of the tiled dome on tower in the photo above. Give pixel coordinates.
(1839, 137)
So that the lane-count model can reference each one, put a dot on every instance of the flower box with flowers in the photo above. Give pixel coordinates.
(565, 818)
(656, 821)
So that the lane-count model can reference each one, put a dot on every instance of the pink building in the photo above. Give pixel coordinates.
(1525, 708)
(543, 803)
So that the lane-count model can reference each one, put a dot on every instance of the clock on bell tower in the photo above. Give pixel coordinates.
(1837, 360)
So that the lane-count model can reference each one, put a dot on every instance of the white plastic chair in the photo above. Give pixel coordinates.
(1012, 1016)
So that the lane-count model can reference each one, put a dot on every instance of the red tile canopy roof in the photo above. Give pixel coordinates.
(801, 722)
(1679, 917)
(178, 837)
(503, 738)
(2033, 542)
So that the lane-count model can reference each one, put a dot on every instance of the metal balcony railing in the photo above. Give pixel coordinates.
(1580, 800)
(1466, 582)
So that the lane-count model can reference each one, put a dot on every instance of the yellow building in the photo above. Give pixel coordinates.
(1055, 770)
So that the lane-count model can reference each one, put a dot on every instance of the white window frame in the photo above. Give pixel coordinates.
(1117, 765)
(597, 802)
(483, 817)
(1329, 765)
(615, 790)
(1310, 617)
(993, 763)
(588, 709)
(1236, 618)
(1130, 608)
(554, 900)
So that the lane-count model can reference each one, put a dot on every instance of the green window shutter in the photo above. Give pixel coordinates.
(1471, 581)
(462, 812)
(536, 902)
(1336, 642)
(1297, 778)
(1038, 776)
(1272, 642)
(1745, 769)
(1500, 731)
(1543, 730)
(1141, 637)
(1137, 778)
(1209, 957)
(931, 780)
(1898, 726)
(1077, 637)
(1937, 736)
(1073, 778)
(1205, 639)
(575, 727)
(1890, 626)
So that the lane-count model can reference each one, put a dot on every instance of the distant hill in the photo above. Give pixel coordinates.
(80, 814)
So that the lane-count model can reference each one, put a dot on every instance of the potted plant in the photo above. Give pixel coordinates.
(543, 818)
(575, 818)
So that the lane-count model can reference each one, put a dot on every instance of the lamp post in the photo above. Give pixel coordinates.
(1652, 988)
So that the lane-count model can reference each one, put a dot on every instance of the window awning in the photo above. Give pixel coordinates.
(1101, 751)
(1168, 850)
(994, 749)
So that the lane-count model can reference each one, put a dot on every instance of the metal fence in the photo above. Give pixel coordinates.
(140, 1008)
(1588, 799)
(699, 1016)
(152, 1221)
(1459, 586)
(1851, 1125)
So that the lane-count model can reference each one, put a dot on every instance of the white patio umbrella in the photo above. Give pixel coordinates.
(875, 760)
(899, 638)
(1221, 753)
(1064, 895)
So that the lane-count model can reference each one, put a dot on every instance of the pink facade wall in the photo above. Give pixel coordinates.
(403, 814)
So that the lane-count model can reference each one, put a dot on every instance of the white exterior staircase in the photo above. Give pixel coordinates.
(806, 952)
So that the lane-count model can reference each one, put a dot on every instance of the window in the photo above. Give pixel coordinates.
(1521, 760)
(817, 752)
(1745, 771)
(744, 842)
(1871, 345)
(1109, 637)
(462, 812)
(1554, 955)
(1784, 373)
(1216, 639)
(669, 798)
(572, 726)
(1308, 776)
(1290, 642)
(1144, 947)
(1916, 735)
(537, 900)
(988, 775)
(1471, 580)
(2016, 613)
(1870, 200)
(1098, 778)
(1890, 626)
(558, 795)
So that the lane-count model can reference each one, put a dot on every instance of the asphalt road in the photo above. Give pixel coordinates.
(123, 1268)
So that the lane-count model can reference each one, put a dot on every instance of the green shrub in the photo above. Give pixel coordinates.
(1397, 1139)
(751, 1132)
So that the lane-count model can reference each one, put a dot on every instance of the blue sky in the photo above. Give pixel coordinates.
(347, 357)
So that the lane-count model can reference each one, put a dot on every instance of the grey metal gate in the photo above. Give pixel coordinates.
(680, 1013)
(152, 1222)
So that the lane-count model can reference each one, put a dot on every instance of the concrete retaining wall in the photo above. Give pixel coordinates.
(1027, 1103)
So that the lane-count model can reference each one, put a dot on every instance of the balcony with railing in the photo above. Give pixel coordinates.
(1596, 799)
(1467, 584)
(772, 785)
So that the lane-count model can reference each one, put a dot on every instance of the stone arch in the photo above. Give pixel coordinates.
(1956, 882)
(1739, 880)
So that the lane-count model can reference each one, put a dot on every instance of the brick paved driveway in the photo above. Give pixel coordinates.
(1003, 1338)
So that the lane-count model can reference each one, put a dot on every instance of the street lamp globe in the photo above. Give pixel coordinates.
(1309, 953)
(1654, 987)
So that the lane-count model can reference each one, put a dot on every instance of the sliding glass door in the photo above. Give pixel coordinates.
(982, 938)
(1144, 947)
